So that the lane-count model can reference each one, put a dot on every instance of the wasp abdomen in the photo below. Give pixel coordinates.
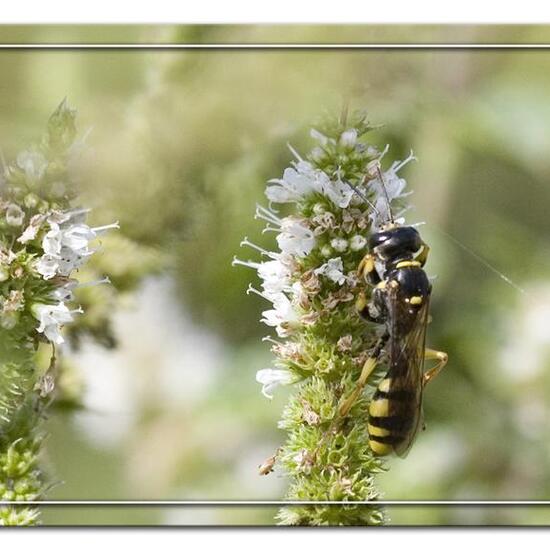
(390, 419)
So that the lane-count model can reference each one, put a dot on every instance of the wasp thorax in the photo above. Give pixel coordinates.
(395, 242)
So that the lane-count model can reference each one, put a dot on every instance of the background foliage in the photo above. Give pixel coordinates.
(182, 145)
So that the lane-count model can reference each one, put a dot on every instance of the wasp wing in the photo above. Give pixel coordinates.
(406, 367)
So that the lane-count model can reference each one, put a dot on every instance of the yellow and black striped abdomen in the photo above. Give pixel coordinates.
(392, 417)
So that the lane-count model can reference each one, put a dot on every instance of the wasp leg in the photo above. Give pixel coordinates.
(423, 256)
(366, 270)
(441, 357)
(345, 407)
(368, 368)
(362, 307)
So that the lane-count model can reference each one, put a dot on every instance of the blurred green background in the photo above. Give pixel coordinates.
(182, 145)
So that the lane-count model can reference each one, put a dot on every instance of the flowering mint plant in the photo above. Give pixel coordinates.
(312, 284)
(44, 239)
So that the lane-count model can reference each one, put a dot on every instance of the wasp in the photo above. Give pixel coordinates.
(400, 302)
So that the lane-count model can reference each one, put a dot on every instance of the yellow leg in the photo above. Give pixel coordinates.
(366, 266)
(368, 367)
(441, 357)
(423, 256)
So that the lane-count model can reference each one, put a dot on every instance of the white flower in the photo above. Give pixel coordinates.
(70, 260)
(33, 163)
(47, 266)
(296, 183)
(357, 242)
(275, 275)
(339, 193)
(303, 180)
(66, 244)
(51, 318)
(271, 378)
(295, 237)
(75, 237)
(15, 215)
(333, 270)
(51, 243)
(282, 316)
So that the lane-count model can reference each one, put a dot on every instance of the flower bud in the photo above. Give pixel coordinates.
(319, 208)
(318, 154)
(9, 319)
(14, 215)
(31, 200)
(348, 139)
(339, 244)
(357, 242)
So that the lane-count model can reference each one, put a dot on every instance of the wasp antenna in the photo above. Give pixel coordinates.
(385, 191)
(362, 195)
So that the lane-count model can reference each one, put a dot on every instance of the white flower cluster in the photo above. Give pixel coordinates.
(282, 282)
(66, 247)
(66, 244)
(303, 179)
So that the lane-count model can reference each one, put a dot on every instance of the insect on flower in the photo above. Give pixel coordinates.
(400, 301)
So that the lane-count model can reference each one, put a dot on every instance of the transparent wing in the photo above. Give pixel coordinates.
(407, 348)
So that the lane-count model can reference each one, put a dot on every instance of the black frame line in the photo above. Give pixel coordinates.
(283, 47)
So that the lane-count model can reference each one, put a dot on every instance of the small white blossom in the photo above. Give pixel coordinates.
(339, 193)
(295, 237)
(271, 378)
(357, 242)
(275, 275)
(51, 317)
(296, 183)
(283, 316)
(333, 270)
(66, 244)
(47, 266)
(303, 180)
